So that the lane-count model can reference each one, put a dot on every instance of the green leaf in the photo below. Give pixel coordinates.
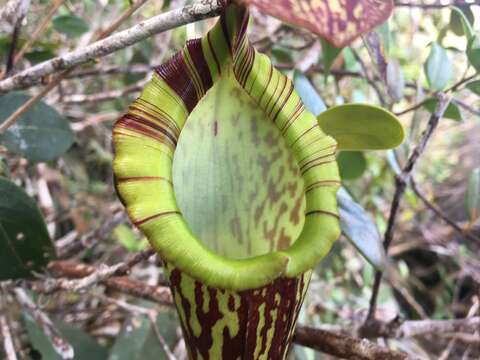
(25, 245)
(359, 228)
(452, 112)
(473, 52)
(70, 25)
(281, 54)
(41, 134)
(138, 340)
(329, 54)
(461, 20)
(473, 196)
(351, 164)
(85, 346)
(438, 68)
(362, 127)
(312, 101)
(474, 86)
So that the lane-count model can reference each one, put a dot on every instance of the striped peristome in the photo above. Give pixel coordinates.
(242, 303)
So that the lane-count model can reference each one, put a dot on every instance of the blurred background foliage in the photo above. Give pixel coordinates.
(63, 162)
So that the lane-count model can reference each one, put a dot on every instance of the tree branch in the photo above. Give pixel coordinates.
(435, 6)
(101, 274)
(61, 346)
(118, 41)
(401, 183)
(343, 346)
(7, 339)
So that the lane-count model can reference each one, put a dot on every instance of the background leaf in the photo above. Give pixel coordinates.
(85, 346)
(329, 54)
(351, 164)
(339, 25)
(461, 20)
(474, 86)
(361, 127)
(25, 245)
(70, 25)
(138, 340)
(360, 230)
(473, 52)
(452, 112)
(438, 68)
(473, 195)
(41, 134)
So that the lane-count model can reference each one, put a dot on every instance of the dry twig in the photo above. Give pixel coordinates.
(7, 339)
(61, 346)
(401, 183)
(166, 21)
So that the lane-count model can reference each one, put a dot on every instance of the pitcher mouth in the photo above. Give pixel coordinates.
(146, 138)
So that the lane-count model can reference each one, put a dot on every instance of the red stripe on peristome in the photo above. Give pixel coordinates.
(322, 212)
(317, 164)
(156, 216)
(280, 108)
(132, 121)
(198, 57)
(143, 178)
(316, 159)
(175, 73)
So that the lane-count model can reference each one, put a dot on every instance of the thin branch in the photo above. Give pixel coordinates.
(161, 340)
(103, 96)
(440, 213)
(68, 269)
(118, 41)
(452, 88)
(61, 346)
(434, 6)
(401, 183)
(13, 45)
(8, 346)
(99, 275)
(73, 244)
(38, 30)
(343, 346)
(32, 101)
(399, 330)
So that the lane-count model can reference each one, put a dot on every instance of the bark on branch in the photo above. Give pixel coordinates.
(168, 20)
(343, 346)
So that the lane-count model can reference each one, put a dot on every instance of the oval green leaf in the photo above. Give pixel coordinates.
(438, 68)
(360, 230)
(41, 134)
(351, 164)
(25, 245)
(362, 127)
(70, 25)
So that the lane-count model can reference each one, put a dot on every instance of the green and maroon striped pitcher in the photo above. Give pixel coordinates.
(234, 184)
